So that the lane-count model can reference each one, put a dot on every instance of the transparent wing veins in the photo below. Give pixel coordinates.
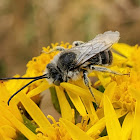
(100, 43)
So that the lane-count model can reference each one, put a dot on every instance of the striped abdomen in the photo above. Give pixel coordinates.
(102, 58)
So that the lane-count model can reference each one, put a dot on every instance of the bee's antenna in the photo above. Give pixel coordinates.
(20, 90)
(14, 78)
(35, 79)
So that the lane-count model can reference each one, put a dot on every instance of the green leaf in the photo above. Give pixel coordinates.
(55, 99)
(29, 124)
(101, 88)
(20, 136)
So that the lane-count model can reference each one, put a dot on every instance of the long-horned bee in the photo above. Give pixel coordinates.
(82, 58)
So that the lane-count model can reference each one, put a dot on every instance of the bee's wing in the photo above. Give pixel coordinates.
(100, 43)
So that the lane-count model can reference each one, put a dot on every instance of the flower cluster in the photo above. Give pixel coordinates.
(118, 97)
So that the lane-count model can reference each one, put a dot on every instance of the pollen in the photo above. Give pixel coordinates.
(122, 97)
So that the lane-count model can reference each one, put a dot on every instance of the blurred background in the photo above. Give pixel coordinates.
(28, 25)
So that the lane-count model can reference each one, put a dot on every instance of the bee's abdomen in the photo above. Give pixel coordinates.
(102, 58)
(106, 57)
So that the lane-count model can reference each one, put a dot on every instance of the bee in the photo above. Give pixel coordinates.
(78, 61)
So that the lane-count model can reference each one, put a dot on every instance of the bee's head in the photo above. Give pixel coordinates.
(54, 74)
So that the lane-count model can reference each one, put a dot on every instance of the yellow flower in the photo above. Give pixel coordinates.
(10, 118)
(125, 88)
(121, 99)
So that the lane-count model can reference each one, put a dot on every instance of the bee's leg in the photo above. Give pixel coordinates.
(77, 43)
(104, 69)
(87, 83)
(57, 48)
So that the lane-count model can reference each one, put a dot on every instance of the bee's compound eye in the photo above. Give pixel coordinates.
(50, 65)
(57, 79)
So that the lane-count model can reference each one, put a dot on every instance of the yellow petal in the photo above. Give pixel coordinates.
(3, 136)
(103, 138)
(118, 59)
(34, 111)
(66, 110)
(92, 74)
(136, 126)
(77, 90)
(127, 126)
(4, 121)
(112, 122)
(75, 132)
(98, 95)
(97, 128)
(109, 91)
(42, 87)
(124, 49)
(20, 126)
(82, 92)
(91, 111)
(8, 131)
(104, 80)
(4, 96)
(76, 100)
(120, 112)
(13, 86)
